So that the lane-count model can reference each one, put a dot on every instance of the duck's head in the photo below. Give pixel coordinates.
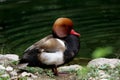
(63, 27)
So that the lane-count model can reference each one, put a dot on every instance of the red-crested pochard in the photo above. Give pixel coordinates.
(56, 49)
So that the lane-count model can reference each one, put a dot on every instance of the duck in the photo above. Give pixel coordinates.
(56, 49)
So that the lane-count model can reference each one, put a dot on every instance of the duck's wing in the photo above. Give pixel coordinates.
(48, 44)
(53, 45)
(43, 40)
(38, 44)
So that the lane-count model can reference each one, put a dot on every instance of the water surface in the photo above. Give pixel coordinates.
(23, 22)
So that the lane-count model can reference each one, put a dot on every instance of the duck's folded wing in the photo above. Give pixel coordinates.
(48, 44)
(53, 45)
(38, 44)
(41, 42)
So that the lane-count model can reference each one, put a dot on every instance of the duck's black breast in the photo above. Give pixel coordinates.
(72, 43)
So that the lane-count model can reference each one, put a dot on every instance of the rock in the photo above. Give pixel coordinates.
(1, 56)
(7, 58)
(104, 69)
(104, 61)
(9, 68)
(14, 78)
(13, 57)
(2, 67)
(13, 73)
(69, 68)
(24, 74)
(33, 76)
(29, 76)
(5, 75)
(103, 75)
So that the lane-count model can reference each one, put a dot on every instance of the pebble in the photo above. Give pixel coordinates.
(103, 61)
(13, 73)
(5, 75)
(2, 67)
(25, 74)
(13, 57)
(9, 68)
(70, 68)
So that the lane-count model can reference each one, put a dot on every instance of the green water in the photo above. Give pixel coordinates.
(23, 22)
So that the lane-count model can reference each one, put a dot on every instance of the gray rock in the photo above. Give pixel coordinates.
(13, 73)
(69, 68)
(7, 58)
(13, 57)
(26, 74)
(2, 67)
(9, 68)
(5, 75)
(103, 61)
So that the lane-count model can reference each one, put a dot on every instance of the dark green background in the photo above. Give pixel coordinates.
(23, 22)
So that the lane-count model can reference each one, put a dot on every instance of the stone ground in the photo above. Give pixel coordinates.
(96, 69)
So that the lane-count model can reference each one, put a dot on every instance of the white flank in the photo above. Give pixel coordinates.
(52, 58)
